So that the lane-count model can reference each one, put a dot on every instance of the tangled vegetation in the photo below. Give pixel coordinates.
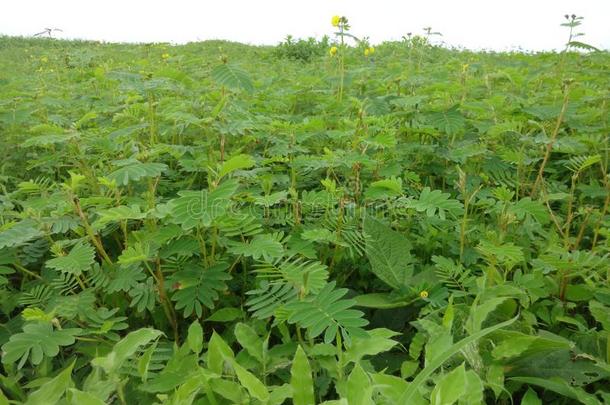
(215, 223)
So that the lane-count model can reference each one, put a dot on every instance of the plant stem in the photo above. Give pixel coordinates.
(549, 146)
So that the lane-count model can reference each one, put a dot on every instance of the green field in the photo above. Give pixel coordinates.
(218, 223)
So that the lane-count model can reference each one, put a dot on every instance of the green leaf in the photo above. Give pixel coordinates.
(225, 315)
(530, 398)
(561, 387)
(378, 341)
(441, 358)
(435, 201)
(601, 313)
(450, 121)
(79, 260)
(327, 312)
(301, 379)
(218, 353)
(201, 208)
(125, 349)
(359, 389)
(506, 253)
(198, 287)
(545, 362)
(583, 45)
(53, 390)
(136, 171)
(236, 163)
(385, 188)
(77, 397)
(475, 391)
(232, 77)
(389, 254)
(117, 214)
(37, 341)
(249, 340)
(450, 387)
(19, 233)
(389, 386)
(380, 301)
(525, 207)
(261, 246)
(254, 386)
(194, 337)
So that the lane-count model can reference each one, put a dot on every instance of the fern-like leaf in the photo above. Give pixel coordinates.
(268, 298)
(198, 287)
(327, 313)
(79, 260)
(232, 77)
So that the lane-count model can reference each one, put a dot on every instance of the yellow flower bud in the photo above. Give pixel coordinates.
(335, 20)
(333, 51)
(165, 56)
(367, 52)
(423, 294)
(371, 50)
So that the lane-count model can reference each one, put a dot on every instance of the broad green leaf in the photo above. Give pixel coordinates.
(530, 398)
(561, 387)
(359, 388)
(438, 361)
(225, 315)
(144, 362)
(301, 379)
(125, 348)
(194, 337)
(389, 254)
(236, 163)
(378, 341)
(77, 397)
(249, 340)
(380, 301)
(475, 391)
(389, 386)
(279, 395)
(601, 313)
(218, 352)
(53, 390)
(254, 386)
(450, 387)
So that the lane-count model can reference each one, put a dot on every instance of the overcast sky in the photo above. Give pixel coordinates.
(491, 24)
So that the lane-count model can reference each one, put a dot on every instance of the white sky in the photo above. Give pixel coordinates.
(492, 24)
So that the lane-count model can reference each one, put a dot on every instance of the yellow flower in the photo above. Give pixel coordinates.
(335, 21)
(423, 294)
(371, 50)
(165, 56)
(333, 51)
(367, 52)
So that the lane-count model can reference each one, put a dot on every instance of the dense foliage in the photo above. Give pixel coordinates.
(215, 223)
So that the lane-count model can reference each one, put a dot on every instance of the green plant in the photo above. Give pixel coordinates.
(216, 223)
